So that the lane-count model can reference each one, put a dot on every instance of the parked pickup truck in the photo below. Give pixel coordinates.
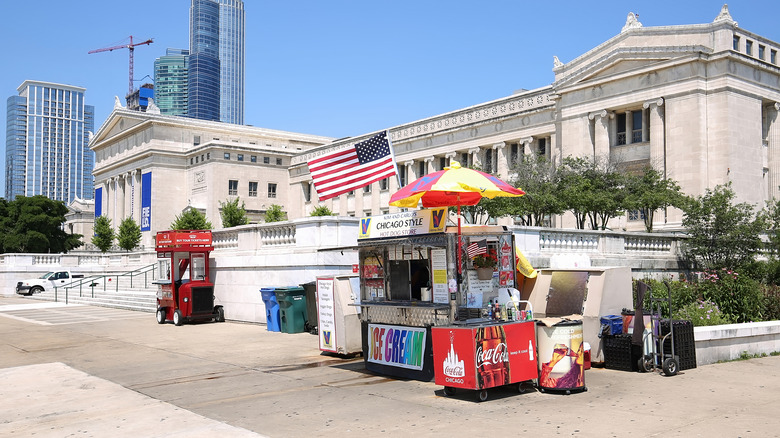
(47, 281)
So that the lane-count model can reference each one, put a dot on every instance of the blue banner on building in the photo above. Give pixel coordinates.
(146, 201)
(99, 202)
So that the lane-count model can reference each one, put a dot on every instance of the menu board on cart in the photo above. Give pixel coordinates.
(478, 289)
(327, 318)
(439, 266)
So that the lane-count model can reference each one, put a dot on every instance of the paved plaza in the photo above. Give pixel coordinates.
(89, 371)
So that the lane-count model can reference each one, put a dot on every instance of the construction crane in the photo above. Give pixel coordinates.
(131, 47)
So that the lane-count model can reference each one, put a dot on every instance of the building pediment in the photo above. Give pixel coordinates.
(118, 122)
(621, 61)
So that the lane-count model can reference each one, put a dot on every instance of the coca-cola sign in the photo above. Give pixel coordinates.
(495, 355)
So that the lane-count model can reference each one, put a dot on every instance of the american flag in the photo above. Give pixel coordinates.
(352, 167)
(476, 248)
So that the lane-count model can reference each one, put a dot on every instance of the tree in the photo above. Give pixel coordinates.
(275, 214)
(572, 185)
(129, 235)
(232, 214)
(191, 219)
(722, 235)
(104, 234)
(321, 210)
(538, 178)
(650, 192)
(34, 224)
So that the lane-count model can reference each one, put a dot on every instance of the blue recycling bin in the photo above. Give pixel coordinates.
(271, 309)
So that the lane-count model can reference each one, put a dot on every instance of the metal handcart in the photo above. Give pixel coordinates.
(657, 356)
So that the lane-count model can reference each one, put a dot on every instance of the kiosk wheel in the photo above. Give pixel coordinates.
(670, 366)
(219, 314)
(160, 316)
(178, 319)
(482, 395)
(449, 390)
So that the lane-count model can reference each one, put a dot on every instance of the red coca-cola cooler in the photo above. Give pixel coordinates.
(479, 357)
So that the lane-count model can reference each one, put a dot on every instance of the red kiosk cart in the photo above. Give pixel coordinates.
(185, 292)
(481, 356)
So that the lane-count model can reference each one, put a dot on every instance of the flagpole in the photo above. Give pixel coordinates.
(392, 155)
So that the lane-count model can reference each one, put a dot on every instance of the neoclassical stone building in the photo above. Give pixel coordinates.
(699, 102)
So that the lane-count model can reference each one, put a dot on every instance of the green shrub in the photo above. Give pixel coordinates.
(738, 296)
(771, 302)
(683, 293)
(702, 313)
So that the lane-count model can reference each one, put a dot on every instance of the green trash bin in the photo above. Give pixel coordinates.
(292, 309)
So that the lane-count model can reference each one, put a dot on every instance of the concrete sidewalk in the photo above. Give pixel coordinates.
(88, 371)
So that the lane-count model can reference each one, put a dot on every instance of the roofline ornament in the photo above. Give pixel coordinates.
(632, 22)
(725, 16)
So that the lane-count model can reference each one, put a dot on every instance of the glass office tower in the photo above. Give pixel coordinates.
(231, 58)
(203, 82)
(47, 136)
(170, 82)
(216, 62)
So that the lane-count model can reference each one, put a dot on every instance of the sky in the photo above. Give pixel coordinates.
(339, 68)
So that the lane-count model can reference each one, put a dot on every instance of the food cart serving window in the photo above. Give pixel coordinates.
(409, 283)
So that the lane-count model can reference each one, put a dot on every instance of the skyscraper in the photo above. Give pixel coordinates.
(47, 136)
(170, 82)
(231, 58)
(216, 62)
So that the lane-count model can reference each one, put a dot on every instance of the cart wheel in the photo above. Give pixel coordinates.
(220, 317)
(645, 364)
(482, 395)
(568, 392)
(670, 366)
(520, 387)
(160, 316)
(449, 390)
(177, 318)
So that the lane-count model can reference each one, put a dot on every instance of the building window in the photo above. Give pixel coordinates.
(196, 160)
(366, 213)
(278, 161)
(636, 215)
(621, 128)
(464, 159)
(749, 47)
(252, 189)
(266, 160)
(514, 153)
(208, 155)
(227, 155)
(271, 190)
(384, 183)
(191, 161)
(306, 191)
(402, 175)
(543, 147)
(196, 140)
(202, 158)
(240, 157)
(636, 127)
(442, 163)
(489, 160)
(367, 188)
(761, 50)
(232, 187)
(736, 43)
(253, 158)
(773, 56)
(421, 169)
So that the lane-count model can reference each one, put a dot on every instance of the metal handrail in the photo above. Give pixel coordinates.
(93, 280)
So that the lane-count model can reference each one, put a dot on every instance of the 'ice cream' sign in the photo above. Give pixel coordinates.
(396, 346)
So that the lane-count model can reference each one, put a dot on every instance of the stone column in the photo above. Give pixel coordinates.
(629, 127)
(475, 158)
(114, 200)
(121, 186)
(601, 133)
(773, 149)
(657, 134)
(135, 197)
(502, 165)
(449, 157)
(430, 165)
(526, 143)
(410, 173)
(553, 154)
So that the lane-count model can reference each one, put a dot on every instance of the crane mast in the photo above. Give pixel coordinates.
(131, 48)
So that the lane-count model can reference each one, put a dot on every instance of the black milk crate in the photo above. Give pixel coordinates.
(619, 353)
(684, 344)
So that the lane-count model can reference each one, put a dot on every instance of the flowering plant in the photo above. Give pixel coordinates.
(488, 260)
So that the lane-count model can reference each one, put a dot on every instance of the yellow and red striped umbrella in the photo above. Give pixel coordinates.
(452, 186)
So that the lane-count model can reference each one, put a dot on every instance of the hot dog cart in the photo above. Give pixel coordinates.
(185, 292)
(410, 285)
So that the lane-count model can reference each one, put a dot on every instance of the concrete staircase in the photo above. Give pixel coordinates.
(116, 290)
